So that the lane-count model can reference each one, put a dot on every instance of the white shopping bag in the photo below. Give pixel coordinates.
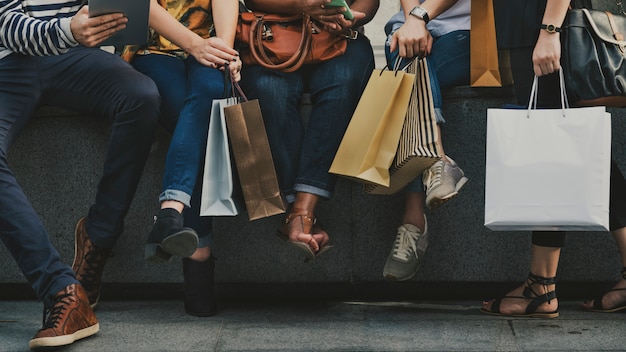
(217, 181)
(548, 169)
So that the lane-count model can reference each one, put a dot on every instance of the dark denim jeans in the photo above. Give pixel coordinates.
(98, 84)
(187, 91)
(304, 150)
(449, 66)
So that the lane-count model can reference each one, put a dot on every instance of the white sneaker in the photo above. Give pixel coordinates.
(407, 253)
(443, 181)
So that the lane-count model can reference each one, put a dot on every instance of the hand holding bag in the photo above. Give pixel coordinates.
(548, 169)
(594, 57)
(370, 142)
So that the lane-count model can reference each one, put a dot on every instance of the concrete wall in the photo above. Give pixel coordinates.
(58, 160)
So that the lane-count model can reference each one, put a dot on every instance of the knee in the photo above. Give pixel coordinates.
(141, 100)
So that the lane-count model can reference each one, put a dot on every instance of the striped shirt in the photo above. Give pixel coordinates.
(36, 27)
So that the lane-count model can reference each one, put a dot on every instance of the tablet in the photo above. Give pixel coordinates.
(137, 12)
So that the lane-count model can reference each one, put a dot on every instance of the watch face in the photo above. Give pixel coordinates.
(418, 11)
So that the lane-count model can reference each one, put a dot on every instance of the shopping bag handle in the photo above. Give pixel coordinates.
(397, 65)
(532, 102)
(235, 88)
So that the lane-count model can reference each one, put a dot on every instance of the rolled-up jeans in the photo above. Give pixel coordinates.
(302, 152)
(449, 66)
(187, 90)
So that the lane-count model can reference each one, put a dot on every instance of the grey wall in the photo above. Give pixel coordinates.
(57, 159)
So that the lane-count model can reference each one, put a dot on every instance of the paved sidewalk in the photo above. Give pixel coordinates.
(324, 326)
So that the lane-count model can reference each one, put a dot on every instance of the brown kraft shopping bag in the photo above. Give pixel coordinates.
(253, 159)
(370, 142)
(484, 63)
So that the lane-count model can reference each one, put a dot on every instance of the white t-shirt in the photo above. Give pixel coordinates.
(455, 18)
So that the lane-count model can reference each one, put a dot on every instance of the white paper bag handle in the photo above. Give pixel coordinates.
(532, 102)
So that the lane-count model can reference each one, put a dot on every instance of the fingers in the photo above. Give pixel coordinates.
(91, 31)
(546, 66)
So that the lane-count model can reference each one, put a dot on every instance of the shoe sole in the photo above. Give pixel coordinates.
(551, 315)
(393, 277)
(612, 310)
(436, 202)
(49, 343)
(155, 254)
(182, 243)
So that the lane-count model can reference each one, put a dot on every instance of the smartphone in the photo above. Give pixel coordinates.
(342, 3)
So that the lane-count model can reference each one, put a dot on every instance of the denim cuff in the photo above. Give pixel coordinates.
(417, 185)
(174, 194)
(205, 240)
(300, 187)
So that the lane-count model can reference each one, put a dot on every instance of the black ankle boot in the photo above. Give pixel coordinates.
(199, 293)
(168, 237)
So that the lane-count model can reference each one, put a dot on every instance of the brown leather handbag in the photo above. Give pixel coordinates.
(286, 42)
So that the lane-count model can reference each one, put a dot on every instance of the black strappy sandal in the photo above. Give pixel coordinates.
(597, 302)
(529, 293)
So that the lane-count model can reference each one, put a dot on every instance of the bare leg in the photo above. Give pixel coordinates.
(544, 262)
(614, 298)
(414, 209)
(173, 204)
(298, 226)
(201, 254)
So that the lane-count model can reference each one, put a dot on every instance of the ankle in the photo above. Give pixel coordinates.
(201, 254)
(173, 204)
(540, 286)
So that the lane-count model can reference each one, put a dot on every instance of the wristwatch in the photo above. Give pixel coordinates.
(420, 13)
(550, 28)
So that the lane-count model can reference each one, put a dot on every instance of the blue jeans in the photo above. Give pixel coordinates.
(303, 153)
(187, 91)
(449, 66)
(95, 83)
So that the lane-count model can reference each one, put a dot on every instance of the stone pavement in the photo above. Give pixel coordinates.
(162, 325)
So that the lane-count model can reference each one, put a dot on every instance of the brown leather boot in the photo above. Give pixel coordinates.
(69, 319)
(199, 292)
(89, 263)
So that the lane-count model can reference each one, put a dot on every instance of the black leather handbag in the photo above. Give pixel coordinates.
(594, 57)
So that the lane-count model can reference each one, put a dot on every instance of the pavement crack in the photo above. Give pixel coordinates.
(510, 323)
(219, 337)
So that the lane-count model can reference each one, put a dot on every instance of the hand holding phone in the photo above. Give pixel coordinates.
(342, 3)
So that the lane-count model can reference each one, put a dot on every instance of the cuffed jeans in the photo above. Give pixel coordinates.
(449, 66)
(303, 154)
(95, 83)
(187, 90)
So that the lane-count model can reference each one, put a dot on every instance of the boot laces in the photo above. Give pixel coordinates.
(405, 245)
(54, 314)
(434, 174)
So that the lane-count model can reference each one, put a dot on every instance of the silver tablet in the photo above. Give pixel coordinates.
(137, 12)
